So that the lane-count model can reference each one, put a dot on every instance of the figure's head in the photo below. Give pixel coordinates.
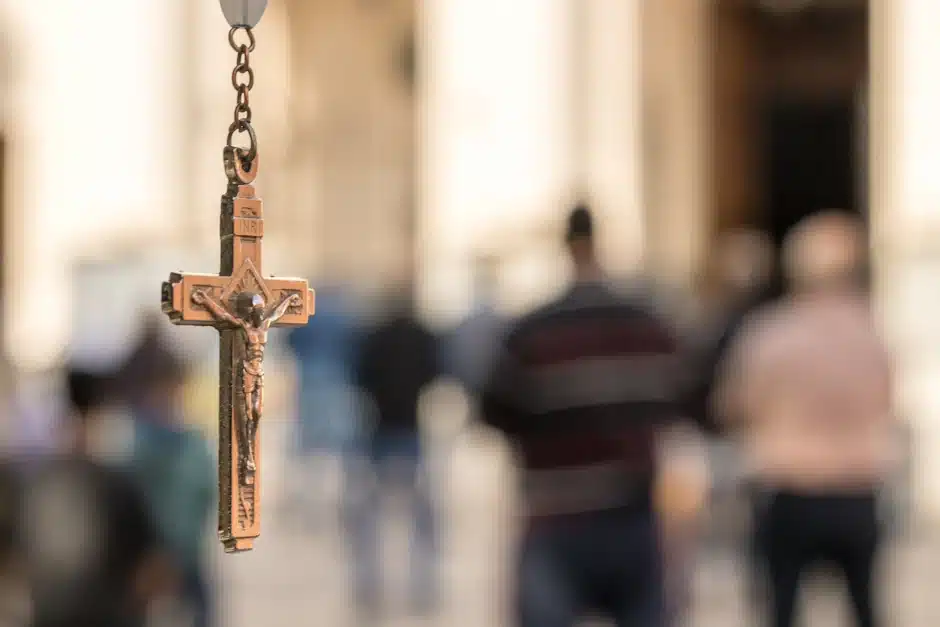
(824, 251)
(154, 376)
(250, 306)
(744, 258)
(579, 238)
(89, 395)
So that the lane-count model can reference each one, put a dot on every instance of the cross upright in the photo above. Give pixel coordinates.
(242, 305)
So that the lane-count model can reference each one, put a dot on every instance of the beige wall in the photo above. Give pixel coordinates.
(612, 120)
(519, 116)
(906, 217)
(93, 128)
(495, 145)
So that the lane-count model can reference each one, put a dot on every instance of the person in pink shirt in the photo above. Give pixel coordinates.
(808, 384)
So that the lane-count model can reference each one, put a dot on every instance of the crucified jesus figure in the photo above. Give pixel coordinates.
(254, 321)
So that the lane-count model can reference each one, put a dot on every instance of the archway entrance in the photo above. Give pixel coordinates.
(789, 112)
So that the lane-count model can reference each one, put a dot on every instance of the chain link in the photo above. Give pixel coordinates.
(243, 80)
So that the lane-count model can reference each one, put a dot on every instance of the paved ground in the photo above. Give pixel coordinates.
(296, 575)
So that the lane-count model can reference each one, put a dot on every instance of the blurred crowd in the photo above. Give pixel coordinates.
(606, 400)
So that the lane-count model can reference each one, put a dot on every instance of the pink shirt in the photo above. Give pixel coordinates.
(810, 379)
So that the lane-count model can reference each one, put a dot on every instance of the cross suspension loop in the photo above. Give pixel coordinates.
(244, 126)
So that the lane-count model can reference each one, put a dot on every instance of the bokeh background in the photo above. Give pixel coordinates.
(415, 138)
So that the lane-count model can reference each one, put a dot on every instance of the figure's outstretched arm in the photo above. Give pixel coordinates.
(218, 311)
(281, 309)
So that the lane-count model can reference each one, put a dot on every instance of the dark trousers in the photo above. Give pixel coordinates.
(605, 564)
(794, 532)
(196, 595)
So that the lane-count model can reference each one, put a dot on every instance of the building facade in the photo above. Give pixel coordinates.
(399, 134)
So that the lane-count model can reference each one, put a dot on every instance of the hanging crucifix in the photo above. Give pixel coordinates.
(241, 304)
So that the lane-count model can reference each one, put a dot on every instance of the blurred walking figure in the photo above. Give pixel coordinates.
(809, 384)
(328, 421)
(172, 464)
(35, 413)
(92, 554)
(742, 276)
(475, 343)
(581, 390)
(397, 363)
(740, 281)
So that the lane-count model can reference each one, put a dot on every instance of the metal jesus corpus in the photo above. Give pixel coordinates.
(250, 316)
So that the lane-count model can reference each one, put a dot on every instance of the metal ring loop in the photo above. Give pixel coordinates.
(244, 126)
(242, 109)
(251, 38)
(251, 78)
(243, 97)
(243, 58)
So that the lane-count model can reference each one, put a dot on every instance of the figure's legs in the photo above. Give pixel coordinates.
(787, 532)
(246, 441)
(628, 555)
(362, 510)
(546, 587)
(255, 415)
(197, 591)
(424, 540)
(855, 550)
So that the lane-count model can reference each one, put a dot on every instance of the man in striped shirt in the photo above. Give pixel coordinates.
(581, 390)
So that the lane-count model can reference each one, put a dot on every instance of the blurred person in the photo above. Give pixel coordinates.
(809, 384)
(36, 414)
(474, 344)
(581, 390)
(742, 275)
(742, 267)
(398, 361)
(91, 552)
(328, 421)
(172, 464)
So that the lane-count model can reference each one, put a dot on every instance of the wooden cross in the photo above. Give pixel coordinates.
(242, 305)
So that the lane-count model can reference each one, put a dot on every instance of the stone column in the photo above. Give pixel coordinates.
(496, 156)
(92, 155)
(676, 105)
(906, 218)
(352, 151)
(611, 127)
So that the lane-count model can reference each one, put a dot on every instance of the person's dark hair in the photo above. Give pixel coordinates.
(152, 369)
(87, 390)
(580, 224)
(151, 366)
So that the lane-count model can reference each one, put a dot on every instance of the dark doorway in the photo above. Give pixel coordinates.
(787, 88)
(808, 161)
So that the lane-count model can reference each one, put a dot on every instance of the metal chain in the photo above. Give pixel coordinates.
(243, 79)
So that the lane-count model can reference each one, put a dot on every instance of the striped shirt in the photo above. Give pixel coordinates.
(580, 389)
